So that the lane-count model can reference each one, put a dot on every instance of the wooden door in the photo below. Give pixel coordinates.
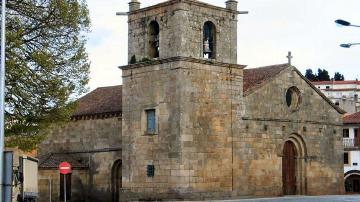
(357, 137)
(288, 169)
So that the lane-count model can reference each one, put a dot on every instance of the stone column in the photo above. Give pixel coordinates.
(231, 5)
(134, 5)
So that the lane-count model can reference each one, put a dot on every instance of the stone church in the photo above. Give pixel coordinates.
(190, 123)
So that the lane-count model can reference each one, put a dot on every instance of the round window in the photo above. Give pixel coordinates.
(293, 98)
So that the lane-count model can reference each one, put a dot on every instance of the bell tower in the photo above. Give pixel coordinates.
(187, 28)
(182, 92)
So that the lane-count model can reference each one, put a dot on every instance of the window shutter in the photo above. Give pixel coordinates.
(151, 122)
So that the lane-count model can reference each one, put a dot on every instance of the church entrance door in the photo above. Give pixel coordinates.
(116, 180)
(289, 168)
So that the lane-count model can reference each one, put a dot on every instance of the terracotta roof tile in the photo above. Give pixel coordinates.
(352, 118)
(54, 160)
(104, 100)
(254, 78)
(336, 82)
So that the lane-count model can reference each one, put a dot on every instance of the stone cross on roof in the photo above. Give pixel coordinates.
(289, 57)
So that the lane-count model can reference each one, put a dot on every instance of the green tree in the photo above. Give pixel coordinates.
(310, 75)
(46, 62)
(323, 75)
(339, 77)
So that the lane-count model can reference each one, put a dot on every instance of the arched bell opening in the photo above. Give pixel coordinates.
(154, 40)
(209, 40)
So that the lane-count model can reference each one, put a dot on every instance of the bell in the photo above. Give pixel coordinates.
(156, 42)
(207, 46)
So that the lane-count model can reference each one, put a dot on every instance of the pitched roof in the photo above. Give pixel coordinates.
(352, 118)
(101, 101)
(255, 78)
(53, 160)
(336, 82)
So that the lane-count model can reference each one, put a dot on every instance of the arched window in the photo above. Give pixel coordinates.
(209, 40)
(116, 180)
(154, 39)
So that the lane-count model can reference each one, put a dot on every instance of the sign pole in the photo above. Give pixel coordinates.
(2, 95)
(64, 188)
(65, 169)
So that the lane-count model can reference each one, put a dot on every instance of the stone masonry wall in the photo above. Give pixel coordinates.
(193, 103)
(49, 183)
(268, 123)
(85, 136)
(181, 30)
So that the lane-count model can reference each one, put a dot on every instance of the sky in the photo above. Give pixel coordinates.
(265, 35)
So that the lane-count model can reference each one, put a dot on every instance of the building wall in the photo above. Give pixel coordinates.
(194, 104)
(268, 123)
(49, 184)
(344, 94)
(181, 30)
(90, 139)
(354, 158)
(354, 154)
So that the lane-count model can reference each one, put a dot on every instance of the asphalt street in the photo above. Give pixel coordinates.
(345, 198)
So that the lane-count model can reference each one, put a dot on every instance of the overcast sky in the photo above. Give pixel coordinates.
(265, 35)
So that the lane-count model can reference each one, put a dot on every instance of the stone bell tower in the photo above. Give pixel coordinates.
(182, 92)
(176, 28)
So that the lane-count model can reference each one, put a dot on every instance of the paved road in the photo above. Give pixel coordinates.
(346, 198)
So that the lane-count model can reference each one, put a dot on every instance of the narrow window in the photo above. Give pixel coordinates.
(68, 187)
(327, 87)
(209, 40)
(150, 121)
(154, 40)
(346, 133)
(337, 103)
(356, 97)
(346, 158)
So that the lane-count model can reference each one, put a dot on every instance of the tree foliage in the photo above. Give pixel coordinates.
(322, 75)
(46, 62)
(338, 77)
(310, 75)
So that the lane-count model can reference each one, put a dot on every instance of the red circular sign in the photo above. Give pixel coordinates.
(65, 168)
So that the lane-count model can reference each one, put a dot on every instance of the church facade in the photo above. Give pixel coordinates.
(196, 125)
(190, 123)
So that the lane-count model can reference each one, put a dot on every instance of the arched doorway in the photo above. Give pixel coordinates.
(294, 165)
(352, 182)
(289, 168)
(116, 180)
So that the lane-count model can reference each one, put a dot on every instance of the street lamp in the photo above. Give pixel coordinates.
(346, 23)
(348, 45)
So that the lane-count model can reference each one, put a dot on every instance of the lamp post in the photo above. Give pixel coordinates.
(347, 24)
(2, 93)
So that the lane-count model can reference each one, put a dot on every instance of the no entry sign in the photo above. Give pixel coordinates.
(65, 168)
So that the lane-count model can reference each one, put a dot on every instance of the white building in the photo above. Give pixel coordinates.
(343, 93)
(351, 134)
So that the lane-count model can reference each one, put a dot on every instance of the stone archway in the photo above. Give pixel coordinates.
(116, 180)
(294, 165)
(352, 181)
